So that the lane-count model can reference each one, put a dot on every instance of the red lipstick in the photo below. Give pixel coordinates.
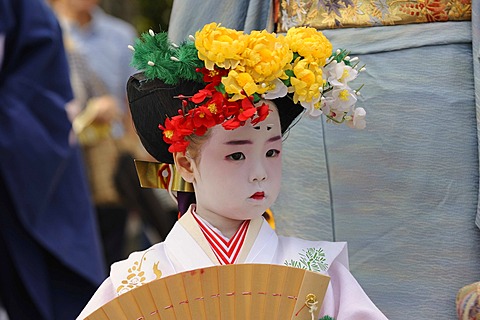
(258, 195)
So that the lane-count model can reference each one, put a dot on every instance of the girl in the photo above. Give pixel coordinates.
(223, 134)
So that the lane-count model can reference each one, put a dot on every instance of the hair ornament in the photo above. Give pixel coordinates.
(239, 69)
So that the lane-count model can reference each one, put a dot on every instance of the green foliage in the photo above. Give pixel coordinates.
(312, 259)
(159, 58)
(290, 74)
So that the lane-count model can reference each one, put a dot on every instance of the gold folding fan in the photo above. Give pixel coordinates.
(237, 291)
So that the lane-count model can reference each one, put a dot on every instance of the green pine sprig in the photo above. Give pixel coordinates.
(157, 57)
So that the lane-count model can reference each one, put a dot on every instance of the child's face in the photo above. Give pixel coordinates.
(239, 173)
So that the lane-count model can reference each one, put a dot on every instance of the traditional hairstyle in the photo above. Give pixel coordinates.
(152, 102)
(220, 75)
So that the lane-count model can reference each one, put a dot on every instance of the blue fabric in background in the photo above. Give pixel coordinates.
(404, 191)
(188, 16)
(476, 71)
(51, 255)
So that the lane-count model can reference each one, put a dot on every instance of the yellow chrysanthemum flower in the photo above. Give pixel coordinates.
(307, 82)
(266, 56)
(238, 82)
(309, 43)
(220, 46)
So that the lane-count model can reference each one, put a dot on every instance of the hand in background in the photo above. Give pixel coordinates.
(105, 109)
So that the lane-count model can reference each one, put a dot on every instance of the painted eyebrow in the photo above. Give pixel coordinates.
(243, 142)
(238, 142)
(276, 138)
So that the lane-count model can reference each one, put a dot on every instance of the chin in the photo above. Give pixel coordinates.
(247, 215)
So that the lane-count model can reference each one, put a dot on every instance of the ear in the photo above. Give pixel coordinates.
(184, 166)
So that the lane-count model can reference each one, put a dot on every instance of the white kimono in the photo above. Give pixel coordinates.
(186, 248)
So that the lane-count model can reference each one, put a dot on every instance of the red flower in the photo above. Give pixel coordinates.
(230, 108)
(214, 76)
(215, 103)
(202, 117)
(200, 96)
(168, 131)
(178, 146)
(200, 131)
(212, 108)
(232, 123)
(262, 113)
(176, 128)
(184, 125)
(247, 110)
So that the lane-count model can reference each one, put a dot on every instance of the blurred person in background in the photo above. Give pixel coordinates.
(51, 259)
(96, 44)
(98, 55)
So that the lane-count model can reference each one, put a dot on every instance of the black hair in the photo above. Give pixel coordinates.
(152, 102)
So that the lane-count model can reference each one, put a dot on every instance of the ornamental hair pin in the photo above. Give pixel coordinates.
(239, 69)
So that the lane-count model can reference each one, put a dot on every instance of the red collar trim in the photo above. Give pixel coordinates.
(226, 251)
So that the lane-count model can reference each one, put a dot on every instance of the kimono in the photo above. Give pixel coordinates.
(186, 248)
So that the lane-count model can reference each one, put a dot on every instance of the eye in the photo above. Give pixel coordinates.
(236, 156)
(272, 153)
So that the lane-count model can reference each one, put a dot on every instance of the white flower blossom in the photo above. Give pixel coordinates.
(343, 98)
(279, 91)
(314, 107)
(358, 119)
(338, 73)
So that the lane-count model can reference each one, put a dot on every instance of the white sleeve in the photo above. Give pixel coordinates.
(345, 298)
(104, 294)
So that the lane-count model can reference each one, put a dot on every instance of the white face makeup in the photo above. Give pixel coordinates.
(239, 173)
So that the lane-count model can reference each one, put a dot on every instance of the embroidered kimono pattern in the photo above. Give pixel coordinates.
(136, 274)
(312, 259)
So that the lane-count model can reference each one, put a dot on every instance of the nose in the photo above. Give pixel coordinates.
(259, 172)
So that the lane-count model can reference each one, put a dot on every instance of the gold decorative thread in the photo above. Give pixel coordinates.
(160, 175)
(312, 303)
(311, 298)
